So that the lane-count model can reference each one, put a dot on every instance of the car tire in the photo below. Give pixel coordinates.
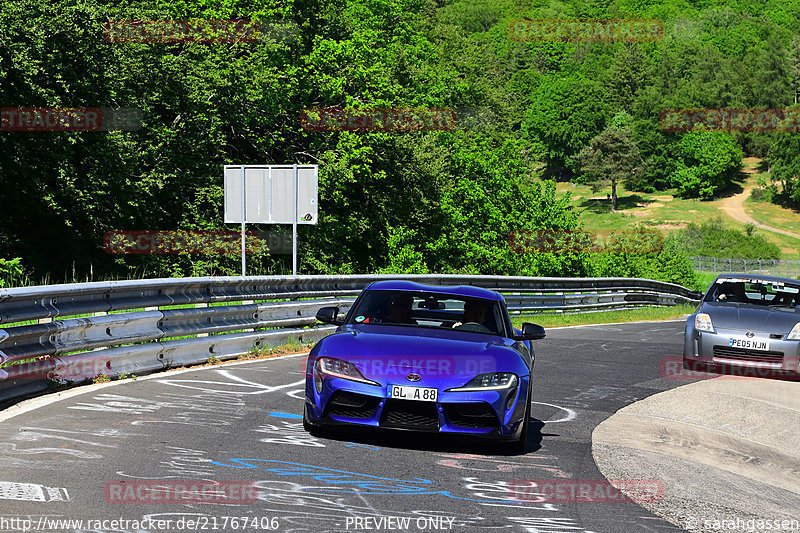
(521, 444)
(308, 426)
(694, 366)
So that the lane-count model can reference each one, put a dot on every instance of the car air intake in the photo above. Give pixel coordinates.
(410, 414)
(350, 404)
(471, 415)
(749, 355)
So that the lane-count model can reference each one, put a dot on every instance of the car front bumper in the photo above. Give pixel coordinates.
(703, 348)
(490, 414)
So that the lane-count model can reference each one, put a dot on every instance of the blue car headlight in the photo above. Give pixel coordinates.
(338, 368)
(489, 381)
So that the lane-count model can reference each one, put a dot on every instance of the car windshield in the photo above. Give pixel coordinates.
(429, 310)
(755, 292)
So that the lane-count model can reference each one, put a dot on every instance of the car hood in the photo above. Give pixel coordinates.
(387, 350)
(754, 318)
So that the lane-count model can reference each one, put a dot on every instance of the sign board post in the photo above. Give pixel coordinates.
(271, 194)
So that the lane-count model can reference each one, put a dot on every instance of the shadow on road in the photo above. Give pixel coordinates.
(434, 442)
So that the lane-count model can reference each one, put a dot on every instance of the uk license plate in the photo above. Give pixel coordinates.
(747, 343)
(402, 392)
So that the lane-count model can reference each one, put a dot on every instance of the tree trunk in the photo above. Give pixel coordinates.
(613, 195)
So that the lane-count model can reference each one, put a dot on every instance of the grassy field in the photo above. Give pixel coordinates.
(668, 213)
(706, 278)
(773, 215)
(552, 320)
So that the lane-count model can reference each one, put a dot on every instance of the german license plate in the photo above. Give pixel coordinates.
(413, 393)
(750, 344)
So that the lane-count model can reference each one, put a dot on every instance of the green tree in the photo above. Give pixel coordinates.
(610, 158)
(563, 115)
(709, 162)
(784, 157)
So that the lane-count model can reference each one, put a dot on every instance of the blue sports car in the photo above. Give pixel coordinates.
(423, 358)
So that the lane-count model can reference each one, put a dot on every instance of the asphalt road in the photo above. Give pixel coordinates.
(92, 456)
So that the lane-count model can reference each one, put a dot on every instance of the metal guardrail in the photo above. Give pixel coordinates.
(136, 341)
(788, 268)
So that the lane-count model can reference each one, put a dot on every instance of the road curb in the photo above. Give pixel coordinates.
(714, 444)
(32, 404)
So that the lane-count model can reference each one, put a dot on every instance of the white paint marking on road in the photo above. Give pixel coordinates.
(683, 319)
(571, 415)
(32, 492)
(26, 406)
(228, 387)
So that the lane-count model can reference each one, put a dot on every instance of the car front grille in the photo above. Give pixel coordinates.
(749, 355)
(350, 404)
(410, 414)
(471, 415)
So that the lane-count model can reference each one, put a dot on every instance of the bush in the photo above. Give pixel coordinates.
(764, 192)
(670, 265)
(711, 239)
(12, 273)
(709, 162)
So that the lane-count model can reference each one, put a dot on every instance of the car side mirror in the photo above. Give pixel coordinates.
(695, 295)
(530, 332)
(329, 315)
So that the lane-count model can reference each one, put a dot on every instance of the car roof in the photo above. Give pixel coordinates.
(738, 276)
(459, 290)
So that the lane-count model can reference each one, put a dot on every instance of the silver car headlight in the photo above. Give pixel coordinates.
(702, 322)
(489, 381)
(794, 335)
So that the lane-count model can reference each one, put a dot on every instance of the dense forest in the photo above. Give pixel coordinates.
(389, 201)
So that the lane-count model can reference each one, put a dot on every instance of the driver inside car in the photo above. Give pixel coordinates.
(474, 312)
(732, 292)
(399, 311)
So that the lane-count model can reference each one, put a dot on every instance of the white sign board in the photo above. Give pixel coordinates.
(269, 194)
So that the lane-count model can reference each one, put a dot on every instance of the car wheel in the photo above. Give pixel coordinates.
(694, 366)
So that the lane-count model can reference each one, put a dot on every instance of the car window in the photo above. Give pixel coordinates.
(428, 310)
(754, 292)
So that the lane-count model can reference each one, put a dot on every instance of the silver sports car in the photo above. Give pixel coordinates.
(747, 324)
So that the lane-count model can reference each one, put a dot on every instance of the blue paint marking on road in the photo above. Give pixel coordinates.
(278, 414)
(347, 482)
(359, 445)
